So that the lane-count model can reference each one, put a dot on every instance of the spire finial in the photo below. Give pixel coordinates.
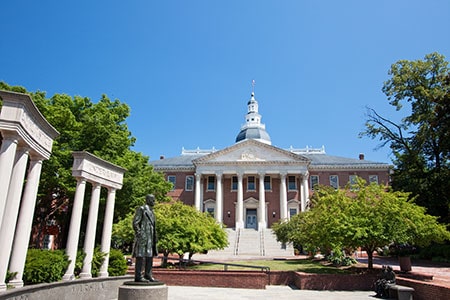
(253, 86)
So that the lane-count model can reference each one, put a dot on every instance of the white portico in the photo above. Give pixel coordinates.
(27, 139)
(89, 168)
(259, 165)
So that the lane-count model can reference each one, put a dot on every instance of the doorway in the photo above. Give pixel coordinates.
(251, 221)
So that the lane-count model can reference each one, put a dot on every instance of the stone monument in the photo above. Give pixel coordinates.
(144, 249)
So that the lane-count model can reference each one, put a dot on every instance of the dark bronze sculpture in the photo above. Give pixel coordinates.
(386, 279)
(144, 249)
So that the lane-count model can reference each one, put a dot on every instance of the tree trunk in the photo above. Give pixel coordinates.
(369, 259)
(165, 258)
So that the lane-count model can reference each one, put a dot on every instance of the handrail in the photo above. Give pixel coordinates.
(264, 269)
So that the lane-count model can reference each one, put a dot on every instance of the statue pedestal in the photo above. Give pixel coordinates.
(139, 291)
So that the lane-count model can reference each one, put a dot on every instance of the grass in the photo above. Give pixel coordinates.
(299, 265)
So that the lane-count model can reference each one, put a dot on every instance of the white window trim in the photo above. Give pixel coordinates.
(174, 182)
(186, 183)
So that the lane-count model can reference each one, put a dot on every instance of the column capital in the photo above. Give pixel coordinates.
(219, 175)
(283, 175)
(240, 175)
(198, 175)
(111, 189)
(261, 174)
(10, 135)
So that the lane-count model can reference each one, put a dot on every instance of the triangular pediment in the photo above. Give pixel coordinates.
(251, 151)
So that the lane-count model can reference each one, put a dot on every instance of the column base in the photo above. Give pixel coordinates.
(85, 275)
(68, 277)
(103, 274)
(2, 287)
(16, 283)
(262, 226)
(239, 225)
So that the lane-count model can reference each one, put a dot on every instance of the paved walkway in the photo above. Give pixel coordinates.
(440, 272)
(271, 292)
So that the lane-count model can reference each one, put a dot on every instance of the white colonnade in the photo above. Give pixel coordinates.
(27, 138)
(100, 173)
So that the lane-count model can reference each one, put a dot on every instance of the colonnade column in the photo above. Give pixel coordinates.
(25, 222)
(7, 155)
(262, 222)
(197, 191)
(89, 241)
(240, 203)
(219, 199)
(305, 195)
(74, 229)
(11, 211)
(107, 230)
(283, 197)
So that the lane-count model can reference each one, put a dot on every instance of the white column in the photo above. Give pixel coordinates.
(8, 226)
(305, 196)
(7, 155)
(262, 222)
(219, 199)
(240, 203)
(283, 197)
(107, 230)
(89, 240)
(201, 195)
(74, 229)
(198, 205)
(25, 222)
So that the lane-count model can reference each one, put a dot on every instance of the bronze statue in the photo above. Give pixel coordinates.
(385, 280)
(144, 249)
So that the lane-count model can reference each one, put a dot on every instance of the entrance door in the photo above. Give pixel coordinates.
(251, 219)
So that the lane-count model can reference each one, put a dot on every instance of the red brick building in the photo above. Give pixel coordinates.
(252, 184)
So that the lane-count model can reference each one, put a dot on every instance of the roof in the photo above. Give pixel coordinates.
(318, 161)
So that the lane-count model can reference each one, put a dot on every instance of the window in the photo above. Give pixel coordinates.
(251, 183)
(314, 181)
(292, 183)
(211, 183)
(267, 185)
(189, 183)
(292, 212)
(352, 179)
(210, 211)
(234, 183)
(172, 179)
(373, 178)
(334, 181)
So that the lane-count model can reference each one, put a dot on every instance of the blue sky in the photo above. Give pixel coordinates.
(185, 67)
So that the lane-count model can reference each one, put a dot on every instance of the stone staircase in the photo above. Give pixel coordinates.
(251, 243)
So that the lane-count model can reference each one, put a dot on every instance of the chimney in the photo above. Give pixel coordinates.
(361, 156)
(161, 157)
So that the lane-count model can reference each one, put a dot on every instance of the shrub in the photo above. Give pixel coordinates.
(338, 258)
(97, 260)
(436, 252)
(44, 266)
(117, 263)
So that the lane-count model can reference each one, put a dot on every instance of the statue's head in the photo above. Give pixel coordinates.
(150, 200)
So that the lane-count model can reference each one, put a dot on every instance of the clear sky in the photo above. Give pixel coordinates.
(185, 67)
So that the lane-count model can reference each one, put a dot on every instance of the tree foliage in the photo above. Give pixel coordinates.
(101, 129)
(183, 229)
(180, 229)
(366, 216)
(420, 142)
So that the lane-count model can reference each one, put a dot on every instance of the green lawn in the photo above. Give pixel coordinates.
(301, 265)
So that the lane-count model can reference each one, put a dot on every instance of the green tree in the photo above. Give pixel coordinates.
(366, 216)
(183, 229)
(180, 229)
(101, 129)
(420, 142)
